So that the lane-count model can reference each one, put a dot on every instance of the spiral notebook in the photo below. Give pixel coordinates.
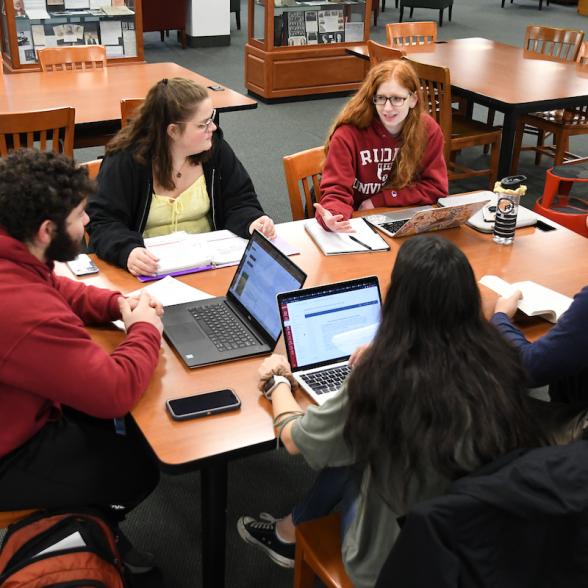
(364, 239)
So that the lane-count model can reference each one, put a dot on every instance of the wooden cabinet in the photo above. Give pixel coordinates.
(70, 22)
(583, 7)
(299, 49)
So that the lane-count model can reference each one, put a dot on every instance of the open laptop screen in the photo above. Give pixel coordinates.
(264, 272)
(326, 324)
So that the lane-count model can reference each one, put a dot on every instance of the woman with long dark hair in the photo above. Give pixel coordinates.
(169, 170)
(383, 149)
(436, 395)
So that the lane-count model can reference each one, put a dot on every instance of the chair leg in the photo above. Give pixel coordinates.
(162, 35)
(561, 147)
(396, 4)
(411, 11)
(502, 4)
(450, 11)
(441, 17)
(401, 13)
(304, 576)
(183, 40)
(540, 4)
(540, 143)
(516, 152)
(494, 154)
(489, 121)
(383, 5)
(238, 18)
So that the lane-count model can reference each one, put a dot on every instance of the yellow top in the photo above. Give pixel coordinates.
(188, 212)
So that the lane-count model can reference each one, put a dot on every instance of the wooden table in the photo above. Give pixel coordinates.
(502, 77)
(96, 94)
(556, 259)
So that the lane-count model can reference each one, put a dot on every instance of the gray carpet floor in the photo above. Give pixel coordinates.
(168, 522)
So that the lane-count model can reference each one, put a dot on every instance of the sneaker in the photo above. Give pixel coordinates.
(262, 533)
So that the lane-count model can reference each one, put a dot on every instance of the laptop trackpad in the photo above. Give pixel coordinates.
(187, 333)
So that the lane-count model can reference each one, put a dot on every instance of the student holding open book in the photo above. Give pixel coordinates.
(170, 169)
(382, 149)
(559, 358)
(438, 394)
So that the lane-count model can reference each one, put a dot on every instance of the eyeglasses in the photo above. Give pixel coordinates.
(380, 100)
(201, 126)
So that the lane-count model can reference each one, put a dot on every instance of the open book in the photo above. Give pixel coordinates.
(536, 300)
(363, 240)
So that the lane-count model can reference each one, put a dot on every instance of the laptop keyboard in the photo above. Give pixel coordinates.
(394, 226)
(223, 328)
(329, 380)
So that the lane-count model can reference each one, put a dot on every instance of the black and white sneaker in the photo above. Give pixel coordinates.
(262, 533)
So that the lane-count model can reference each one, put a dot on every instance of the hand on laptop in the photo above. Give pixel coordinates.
(333, 221)
(358, 354)
(141, 262)
(275, 365)
(265, 225)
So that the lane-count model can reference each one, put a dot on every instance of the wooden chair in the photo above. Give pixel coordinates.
(318, 553)
(379, 53)
(459, 131)
(439, 5)
(303, 169)
(164, 17)
(408, 34)
(93, 167)
(561, 124)
(128, 107)
(552, 44)
(8, 517)
(38, 130)
(69, 58)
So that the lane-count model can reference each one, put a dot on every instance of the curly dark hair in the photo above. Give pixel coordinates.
(37, 186)
(169, 101)
(437, 373)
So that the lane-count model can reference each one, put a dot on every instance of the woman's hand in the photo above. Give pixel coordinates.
(274, 364)
(333, 222)
(265, 225)
(358, 354)
(508, 304)
(367, 204)
(142, 262)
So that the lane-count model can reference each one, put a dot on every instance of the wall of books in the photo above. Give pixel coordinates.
(315, 23)
(58, 23)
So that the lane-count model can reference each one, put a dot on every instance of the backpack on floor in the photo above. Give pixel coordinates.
(67, 550)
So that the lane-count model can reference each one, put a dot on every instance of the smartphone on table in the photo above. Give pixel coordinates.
(82, 265)
(199, 405)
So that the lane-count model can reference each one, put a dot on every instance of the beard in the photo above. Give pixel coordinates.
(63, 247)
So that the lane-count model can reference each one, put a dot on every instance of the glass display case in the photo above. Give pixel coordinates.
(297, 48)
(34, 24)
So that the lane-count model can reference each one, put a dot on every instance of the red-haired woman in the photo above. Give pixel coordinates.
(382, 150)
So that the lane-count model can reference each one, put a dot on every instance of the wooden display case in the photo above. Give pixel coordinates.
(70, 22)
(299, 49)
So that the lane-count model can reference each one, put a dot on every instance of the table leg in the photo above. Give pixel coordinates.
(214, 514)
(509, 127)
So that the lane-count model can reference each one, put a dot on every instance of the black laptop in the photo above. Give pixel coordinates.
(243, 323)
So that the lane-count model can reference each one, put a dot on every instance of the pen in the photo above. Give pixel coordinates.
(360, 242)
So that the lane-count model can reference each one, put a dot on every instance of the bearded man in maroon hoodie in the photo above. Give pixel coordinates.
(59, 391)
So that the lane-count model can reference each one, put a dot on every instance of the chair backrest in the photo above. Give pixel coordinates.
(93, 167)
(435, 84)
(553, 44)
(128, 107)
(72, 58)
(303, 169)
(406, 34)
(379, 53)
(37, 130)
(583, 53)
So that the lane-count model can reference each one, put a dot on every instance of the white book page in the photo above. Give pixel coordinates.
(537, 299)
(170, 291)
(69, 542)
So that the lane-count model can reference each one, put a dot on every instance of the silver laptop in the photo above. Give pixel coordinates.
(322, 327)
(243, 323)
(423, 219)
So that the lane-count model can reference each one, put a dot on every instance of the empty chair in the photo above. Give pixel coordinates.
(164, 17)
(379, 53)
(46, 130)
(72, 58)
(128, 107)
(408, 34)
(439, 5)
(302, 171)
(460, 132)
(561, 123)
(552, 44)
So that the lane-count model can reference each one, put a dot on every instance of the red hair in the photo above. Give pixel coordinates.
(360, 112)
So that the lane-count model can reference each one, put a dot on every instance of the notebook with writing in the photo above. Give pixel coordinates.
(322, 327)
(243, 323)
